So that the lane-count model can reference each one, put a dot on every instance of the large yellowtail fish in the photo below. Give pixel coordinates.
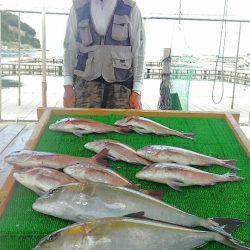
(117, 151)
(30, 159)
(41, 180)
(82, 126)
(134, 234)
(142, 125)
(177, 176)
(89, 200)
(163, 154)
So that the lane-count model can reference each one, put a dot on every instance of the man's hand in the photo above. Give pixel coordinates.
(135, 101)
(69, 99)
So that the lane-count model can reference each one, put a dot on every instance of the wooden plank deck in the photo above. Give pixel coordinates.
(13, 137)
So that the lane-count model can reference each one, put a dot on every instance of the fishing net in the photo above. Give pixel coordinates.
(179, 88)
(174, 89)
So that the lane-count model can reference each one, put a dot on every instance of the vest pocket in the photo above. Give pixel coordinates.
(120, 29)
(84, 32)
(122, 64)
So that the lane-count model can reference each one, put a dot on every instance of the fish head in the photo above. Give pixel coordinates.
(30, 175)
(74, 236)
(18, 157)
(147, 152)
(48, 202)
(61, 125)
(75, 170)
(124, 122)
(49, 242)
(146, 172)
(25, 176)
(96, 146)
(54, 199)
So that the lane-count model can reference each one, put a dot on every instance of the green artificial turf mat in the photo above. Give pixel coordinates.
(22, 228)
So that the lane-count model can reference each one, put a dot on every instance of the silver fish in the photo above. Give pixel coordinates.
(142, 125)
(117, 151)
(130, 233)
(163, 154)
(177, 176)
(30, 159)
(106, 175)
(89, 200)
(41, 180)
(83, 126)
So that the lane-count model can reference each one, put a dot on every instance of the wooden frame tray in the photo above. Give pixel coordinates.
(44, 115)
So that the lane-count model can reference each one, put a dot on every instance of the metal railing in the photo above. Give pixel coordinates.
(151, 72)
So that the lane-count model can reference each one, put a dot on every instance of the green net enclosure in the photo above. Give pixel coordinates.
(179, 88)
(21, 228)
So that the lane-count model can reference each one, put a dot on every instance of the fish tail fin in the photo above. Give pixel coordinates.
(231, 177)
(158, 194)
(233, 243)
(189, 135)
(230, 164)
(100, 157)
(225, 226)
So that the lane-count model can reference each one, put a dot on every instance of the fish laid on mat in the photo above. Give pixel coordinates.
(132, 233)
(177, 176)
(105, 175)
(82, 126)
(41, 180)
(117, 151)
(92, 200)
(163, 154)
(145, 126)
(29, 159)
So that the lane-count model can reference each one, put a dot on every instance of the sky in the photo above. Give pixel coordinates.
(189, 37)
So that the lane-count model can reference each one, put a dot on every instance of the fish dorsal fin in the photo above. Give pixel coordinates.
(100, 157)
(158, 194)
(138, 215)
(133, 186)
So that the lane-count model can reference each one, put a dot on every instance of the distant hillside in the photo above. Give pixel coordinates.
(10, 33)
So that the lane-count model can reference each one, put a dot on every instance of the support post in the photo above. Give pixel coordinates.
(0, 65)
(44, 81)
(19, 59)
(236, 66)
(165, 96)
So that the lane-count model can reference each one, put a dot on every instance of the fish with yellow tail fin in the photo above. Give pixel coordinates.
(91, 200)
(131, 233)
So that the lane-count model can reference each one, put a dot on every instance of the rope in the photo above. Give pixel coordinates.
(223, 28)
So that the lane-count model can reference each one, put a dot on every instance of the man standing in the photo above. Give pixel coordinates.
(104, 55)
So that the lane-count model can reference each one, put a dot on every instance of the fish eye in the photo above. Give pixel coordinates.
(52, 191)
(16, 152)
(53, 237)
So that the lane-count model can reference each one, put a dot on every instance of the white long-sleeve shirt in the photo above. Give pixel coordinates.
(102, 11)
